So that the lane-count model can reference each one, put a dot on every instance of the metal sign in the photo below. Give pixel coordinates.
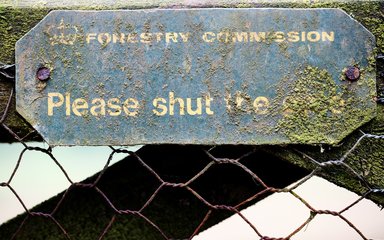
(196, 76)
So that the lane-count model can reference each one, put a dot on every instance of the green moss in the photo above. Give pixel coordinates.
(14, 23)
(317, 102)
(369, 14)
(366, 160)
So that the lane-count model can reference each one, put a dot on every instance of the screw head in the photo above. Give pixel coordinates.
(43, 74)
(352, 73)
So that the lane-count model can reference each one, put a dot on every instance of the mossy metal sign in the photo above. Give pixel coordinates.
(196, 76)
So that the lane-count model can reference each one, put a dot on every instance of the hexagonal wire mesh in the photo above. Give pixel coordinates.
(155, 179)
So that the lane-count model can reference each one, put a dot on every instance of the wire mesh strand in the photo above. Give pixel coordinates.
(7, 72)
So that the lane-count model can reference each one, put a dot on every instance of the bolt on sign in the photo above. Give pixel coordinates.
(196, 76)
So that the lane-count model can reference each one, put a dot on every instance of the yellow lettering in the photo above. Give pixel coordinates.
(338, 105)
(90, 36)
(170, 36)
(208, 100)
(260, 105)
(198, 107)
(118, 37)
(173, 101)
(98, 107)
(130, 107)
(279, 37)
(159, 36)
(80, 104)
(313, 36)
(239, 100)
(113, 104)
(146, 37)
(52, 103)
(208, 37)
(104, 38)
(244, 103)
(223, 37)
(227, 100)
(67, 104)
(132, 38)
(293, 37)
(303, 36)
(328, 36)
(240, 37)
(160, 106)
(184, 36)
(257, 36)
(287, 102)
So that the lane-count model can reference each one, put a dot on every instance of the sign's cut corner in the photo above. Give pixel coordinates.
(196, 76)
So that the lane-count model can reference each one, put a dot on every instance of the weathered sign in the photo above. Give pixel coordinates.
(196, 76)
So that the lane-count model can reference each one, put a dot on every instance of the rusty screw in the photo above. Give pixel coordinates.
(43, 74)
(352, 73)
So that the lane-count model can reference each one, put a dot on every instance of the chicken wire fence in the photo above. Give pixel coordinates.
(166, 182)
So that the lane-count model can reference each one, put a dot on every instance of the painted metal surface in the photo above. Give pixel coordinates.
(196, 76)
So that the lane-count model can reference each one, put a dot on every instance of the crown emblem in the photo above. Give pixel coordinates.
(63, 33)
